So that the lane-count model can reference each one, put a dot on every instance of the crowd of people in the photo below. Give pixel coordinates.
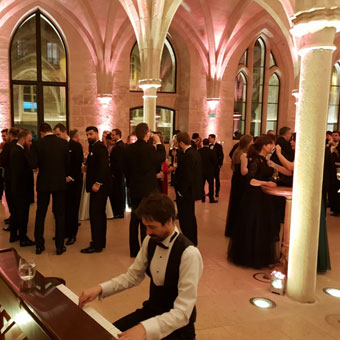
(254, 217)
(114, 170)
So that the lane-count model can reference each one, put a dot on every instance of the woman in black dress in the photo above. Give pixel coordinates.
(253, 240)
(239, 165)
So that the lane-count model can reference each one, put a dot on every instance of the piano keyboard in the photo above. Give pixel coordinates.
(91, 312)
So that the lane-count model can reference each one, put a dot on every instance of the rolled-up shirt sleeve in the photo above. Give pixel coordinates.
(133, 277)
(190, 272)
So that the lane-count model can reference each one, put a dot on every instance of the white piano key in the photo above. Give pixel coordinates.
(91, 312)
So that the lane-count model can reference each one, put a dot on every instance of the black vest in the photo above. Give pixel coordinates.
(162, 298)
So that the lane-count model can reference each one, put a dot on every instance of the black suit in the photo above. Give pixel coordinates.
(220, 156)
(74, 188)
(22, 190)
(209, 165)
(188, 185)
(142, 162)
(98, 171)
(117, 195)
(51, 156)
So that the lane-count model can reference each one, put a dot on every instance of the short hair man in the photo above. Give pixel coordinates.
(74, 183)
(174, 266)
(142, 163)
(188, 186)
(217, 147)
(98, 184)
(74, 135)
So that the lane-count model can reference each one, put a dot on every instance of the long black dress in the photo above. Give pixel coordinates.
(238, 185)
(253, 241)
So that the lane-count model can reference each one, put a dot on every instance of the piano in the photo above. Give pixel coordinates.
(44, 309)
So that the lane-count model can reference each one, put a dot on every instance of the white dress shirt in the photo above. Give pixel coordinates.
(190, 272)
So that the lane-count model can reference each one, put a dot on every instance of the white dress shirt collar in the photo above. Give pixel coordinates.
(171, 238)
(186, 148)
(21, 146)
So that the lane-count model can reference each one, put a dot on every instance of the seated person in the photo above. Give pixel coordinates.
(174, 266)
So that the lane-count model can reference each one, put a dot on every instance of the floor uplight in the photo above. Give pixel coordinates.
(262, 303)
(333, 292)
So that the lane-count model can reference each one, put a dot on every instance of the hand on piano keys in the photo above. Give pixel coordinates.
(135, 333)
(89, 310)
(89, 295)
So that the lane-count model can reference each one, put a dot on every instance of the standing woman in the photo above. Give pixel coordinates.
(239, 165)
(253, 241)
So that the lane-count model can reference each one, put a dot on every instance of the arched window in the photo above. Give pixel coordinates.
(38, 71)
(273, 102)
(165, 120)
(258, 81)
(265, 93)
(334, 99)
(240, 106)
(167, 71)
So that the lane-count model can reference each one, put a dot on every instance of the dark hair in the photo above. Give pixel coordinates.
(73, 133)
(117, 132)
(183, 137)
(13, 132)
(61, 127)
(108, 136)
(93, 128)
(23, 133)
(4, 131)
(255, 148)
(272, 137)
(212, 135)
(336, 132)
(141, 130)
(44, 127)
(294, 136)
(205, 141)
(157, 207)
(284, 130)
(327, 132)
(176, 132)
(195, 135)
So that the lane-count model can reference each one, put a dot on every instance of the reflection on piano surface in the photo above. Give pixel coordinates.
(41, 310)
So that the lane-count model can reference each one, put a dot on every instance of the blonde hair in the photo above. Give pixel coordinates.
(242, 148)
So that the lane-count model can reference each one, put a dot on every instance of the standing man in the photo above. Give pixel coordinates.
(142, 163)
(4, 136)
(74, 184)
(117, 194)
(209, 165)
(98, 184)
(220, 156)
(188, 186)
(51, 157)
(174, 266)
(22, 187)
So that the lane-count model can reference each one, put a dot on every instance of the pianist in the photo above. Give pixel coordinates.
(174, 266)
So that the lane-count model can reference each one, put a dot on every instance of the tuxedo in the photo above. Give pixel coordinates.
(74, 188)
(209, 165)
(98, 171)
(188, 186)
(220, 157)
(142, 162)
(22, 190)
(117, 194)
(51, 156)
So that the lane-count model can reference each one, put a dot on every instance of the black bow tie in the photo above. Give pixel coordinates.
(171, 239)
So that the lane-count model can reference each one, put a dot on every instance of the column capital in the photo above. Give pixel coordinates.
(145, 84)
(315, 19)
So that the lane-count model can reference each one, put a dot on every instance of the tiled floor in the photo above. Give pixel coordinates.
(224, 311)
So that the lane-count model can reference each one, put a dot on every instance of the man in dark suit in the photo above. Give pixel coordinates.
(209, 165)
(74, 183)
(5, 163)
(194, 140)
(142, 163)
(98, 184)
(22, 186)
(220, 156)
(188, 186)
(117, 194)
(51, 157)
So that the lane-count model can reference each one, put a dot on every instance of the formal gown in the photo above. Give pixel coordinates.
(253, 240)
(238, 186)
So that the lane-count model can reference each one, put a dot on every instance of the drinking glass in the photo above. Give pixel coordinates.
(26, 269)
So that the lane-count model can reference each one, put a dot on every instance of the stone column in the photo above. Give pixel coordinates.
(315, 48)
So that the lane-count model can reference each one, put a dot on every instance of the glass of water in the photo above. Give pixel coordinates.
(26, 269)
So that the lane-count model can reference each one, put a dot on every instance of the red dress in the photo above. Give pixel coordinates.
(165, 170)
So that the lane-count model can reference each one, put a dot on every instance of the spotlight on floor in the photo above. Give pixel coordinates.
(262, 303)
(332, 292)
(277, 285)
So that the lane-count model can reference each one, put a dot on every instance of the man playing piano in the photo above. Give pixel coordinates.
(174, 266)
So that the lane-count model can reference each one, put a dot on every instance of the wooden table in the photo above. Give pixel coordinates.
(284, 239)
